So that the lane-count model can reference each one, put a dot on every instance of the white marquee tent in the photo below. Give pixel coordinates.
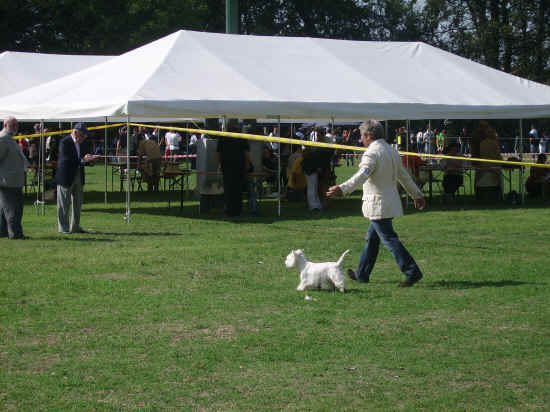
(197, 74)
(20, 71)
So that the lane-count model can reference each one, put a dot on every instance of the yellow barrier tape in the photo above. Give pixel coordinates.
(333, 145)
(68, 131)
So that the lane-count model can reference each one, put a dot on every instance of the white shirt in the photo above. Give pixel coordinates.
(274, 145)
(77, 145)
(172, 140)
(193, 139)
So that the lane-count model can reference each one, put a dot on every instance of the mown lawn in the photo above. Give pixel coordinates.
(183, 311)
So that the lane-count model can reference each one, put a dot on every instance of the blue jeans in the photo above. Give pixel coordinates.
(383, 230)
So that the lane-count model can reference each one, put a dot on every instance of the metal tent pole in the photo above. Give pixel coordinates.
(429, 141)
(105, 144)
(42, 151)
(407, 150)
(127, 216)
(40, 204)
(521, 191)
(279, 168)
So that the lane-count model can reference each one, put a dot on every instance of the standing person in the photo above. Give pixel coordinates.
(233, 158)
(313, 164)
(463, 141)
(427, 139)
(70, 179)
(419, 141)
(543, 142)
(533, 139)
(173, 141)
(441, 141)
(379, 171)
(13, 166)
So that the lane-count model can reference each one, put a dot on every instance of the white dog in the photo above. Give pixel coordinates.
(315, 275)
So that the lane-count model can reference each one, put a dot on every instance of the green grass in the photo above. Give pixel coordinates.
(192, 312)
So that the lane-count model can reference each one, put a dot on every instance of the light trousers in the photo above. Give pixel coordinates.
(313, 201)
(69, 203)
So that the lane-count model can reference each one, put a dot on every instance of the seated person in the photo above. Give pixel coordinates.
(452, 177)
(538, 181)
(149, 158)
(488, 180)
(413, 165)
(297, 180)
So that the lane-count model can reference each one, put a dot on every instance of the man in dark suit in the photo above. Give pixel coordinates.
(70, 179)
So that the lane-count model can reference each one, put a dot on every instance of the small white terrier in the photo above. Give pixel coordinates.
(316, 275)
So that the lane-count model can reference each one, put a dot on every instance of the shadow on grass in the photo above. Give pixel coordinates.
(157, 204)
(71, 238)
(98, 232)
(464, 284)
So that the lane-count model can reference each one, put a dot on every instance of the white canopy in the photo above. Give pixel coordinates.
(20, 71)
(198, 74)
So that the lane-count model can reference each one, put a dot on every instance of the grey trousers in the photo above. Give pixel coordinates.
(11, 212)
(68, 196)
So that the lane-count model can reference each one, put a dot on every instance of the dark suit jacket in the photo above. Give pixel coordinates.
(68, 162)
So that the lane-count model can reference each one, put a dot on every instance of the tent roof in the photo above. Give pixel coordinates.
(20, 71)
(199, 74)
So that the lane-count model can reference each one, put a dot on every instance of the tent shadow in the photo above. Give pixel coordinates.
(157, 204)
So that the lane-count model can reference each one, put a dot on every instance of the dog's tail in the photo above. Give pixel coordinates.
(339, 261)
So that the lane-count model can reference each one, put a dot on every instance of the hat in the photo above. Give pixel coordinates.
(81, 127)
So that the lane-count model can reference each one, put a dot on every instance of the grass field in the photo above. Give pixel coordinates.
(182, 311)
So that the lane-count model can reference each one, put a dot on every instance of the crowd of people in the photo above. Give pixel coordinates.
(306, 172)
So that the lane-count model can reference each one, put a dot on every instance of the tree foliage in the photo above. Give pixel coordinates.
(510, 35)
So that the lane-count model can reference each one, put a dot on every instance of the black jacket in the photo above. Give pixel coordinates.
(68, 162)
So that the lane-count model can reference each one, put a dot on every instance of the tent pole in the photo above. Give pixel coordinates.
(127, 216)
(429, 141)
(521, 191)
(187, 148)
(105, 153)
(40, 205)
(407, 150)
(43, 172)
(279, 168)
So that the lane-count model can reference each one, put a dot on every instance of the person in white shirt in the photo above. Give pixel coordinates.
(428, 141)
(313, 136)
(274, 145)
(419, 141)
(173, 141)
(533, 139)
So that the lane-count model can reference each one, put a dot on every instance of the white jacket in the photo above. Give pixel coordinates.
(379, 171)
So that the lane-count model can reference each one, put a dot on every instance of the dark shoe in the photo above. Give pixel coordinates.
(352, 275)
(408, 283)
(20, 237)
(79, 230)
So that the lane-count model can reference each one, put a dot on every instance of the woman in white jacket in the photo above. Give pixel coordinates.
(379, 171)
